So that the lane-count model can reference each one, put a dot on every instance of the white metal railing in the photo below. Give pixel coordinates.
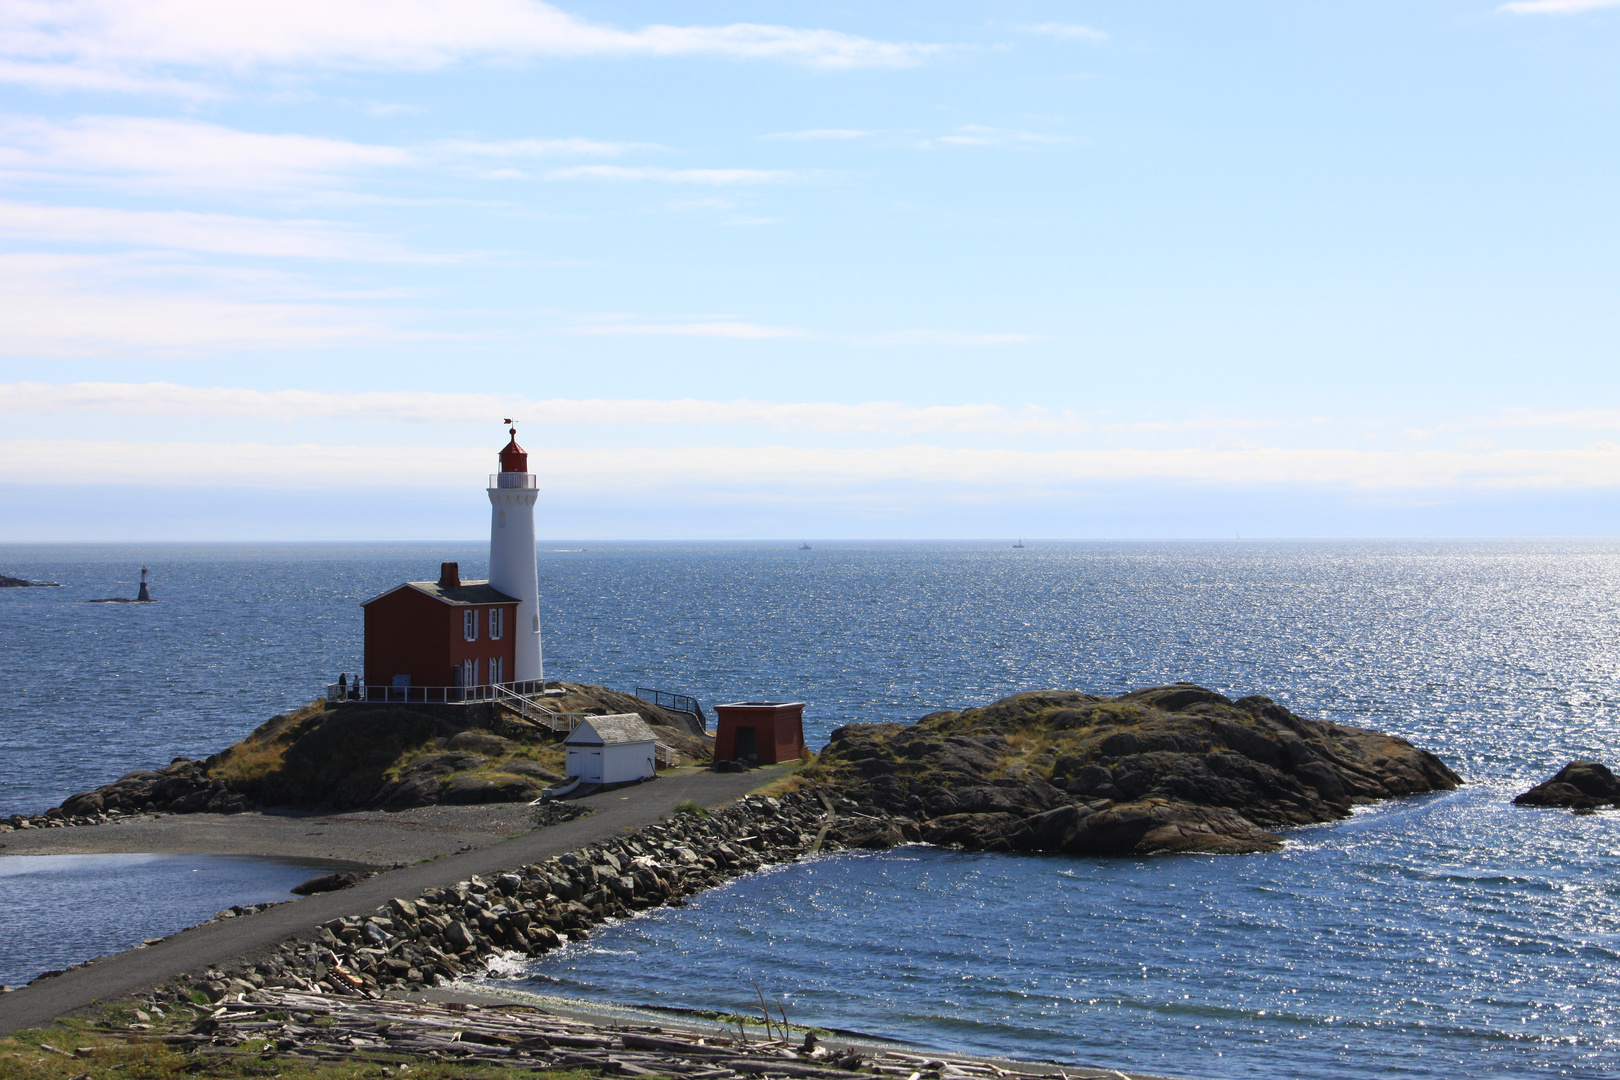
(444, 695)
(666, 756)
(513, 480)
(537, 713)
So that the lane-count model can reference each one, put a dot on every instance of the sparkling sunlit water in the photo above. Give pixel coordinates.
(1451, 935)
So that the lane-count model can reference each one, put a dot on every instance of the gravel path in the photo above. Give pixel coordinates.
(368, 838)
(216, 943)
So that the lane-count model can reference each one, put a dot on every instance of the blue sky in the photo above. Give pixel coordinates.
(278, 270)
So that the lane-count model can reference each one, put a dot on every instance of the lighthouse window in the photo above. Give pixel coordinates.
(469, 625)
(497, 623)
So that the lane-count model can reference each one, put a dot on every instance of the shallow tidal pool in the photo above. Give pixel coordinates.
(58, 910)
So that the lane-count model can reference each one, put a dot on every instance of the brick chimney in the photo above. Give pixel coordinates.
(449, 575)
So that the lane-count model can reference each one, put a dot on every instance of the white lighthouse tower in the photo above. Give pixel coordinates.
(512, 566)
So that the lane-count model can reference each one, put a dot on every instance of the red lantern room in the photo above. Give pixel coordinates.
(513, 457)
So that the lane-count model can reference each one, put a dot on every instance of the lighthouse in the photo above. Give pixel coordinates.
(512, 564)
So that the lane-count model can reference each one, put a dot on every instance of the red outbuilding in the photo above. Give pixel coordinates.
(438, 640)
(764, 732)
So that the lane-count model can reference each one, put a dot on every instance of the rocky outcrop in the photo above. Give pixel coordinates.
(353, 756)
(1168, 768)
(1580, 785)
(343, 879)
(184, 787)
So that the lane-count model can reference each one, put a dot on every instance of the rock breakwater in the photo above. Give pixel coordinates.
(1168, 768)
(448, 933)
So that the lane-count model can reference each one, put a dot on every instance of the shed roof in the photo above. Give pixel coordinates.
(611, 730)
(470, 593)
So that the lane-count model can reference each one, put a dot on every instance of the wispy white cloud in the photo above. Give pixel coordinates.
(979, 135)
(721, 177)
(72, 305)
(744, 330)
(1066, 31)
(66, 77)
(948, 337)
(181, 154)
(819, 133)
(184, 230)
(789, 470)
(460, 149)
(438, 408)
(1590, 419)
(117, 45)
(1009, 468)
(1555, 7)
(167, 154)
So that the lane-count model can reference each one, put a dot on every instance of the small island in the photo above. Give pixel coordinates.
(1166, 768)
(24, 583)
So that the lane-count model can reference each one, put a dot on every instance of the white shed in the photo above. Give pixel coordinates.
(613, 749)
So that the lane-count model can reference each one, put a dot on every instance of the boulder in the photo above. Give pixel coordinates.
(330, 882)
(480, 742)
(466, 790)
(1580, 785)
(870, 833)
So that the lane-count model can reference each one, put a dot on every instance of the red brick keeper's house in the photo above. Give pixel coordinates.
(429, 640)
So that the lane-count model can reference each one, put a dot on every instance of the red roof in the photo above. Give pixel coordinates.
(513, 457)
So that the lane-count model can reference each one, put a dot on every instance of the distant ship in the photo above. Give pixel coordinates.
(1020, 542)
(805, 546)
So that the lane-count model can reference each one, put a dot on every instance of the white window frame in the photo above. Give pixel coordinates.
(497, 623)
(469, 624)
(496, 675)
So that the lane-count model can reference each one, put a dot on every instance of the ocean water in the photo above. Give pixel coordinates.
(59, 910)
(1441, 936)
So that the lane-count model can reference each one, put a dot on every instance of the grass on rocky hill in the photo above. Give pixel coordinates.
(74, 1049)
(794, 780)
(341, 757)
(311, 757)
(547, 755)
(314, 757)
(1031, 734)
